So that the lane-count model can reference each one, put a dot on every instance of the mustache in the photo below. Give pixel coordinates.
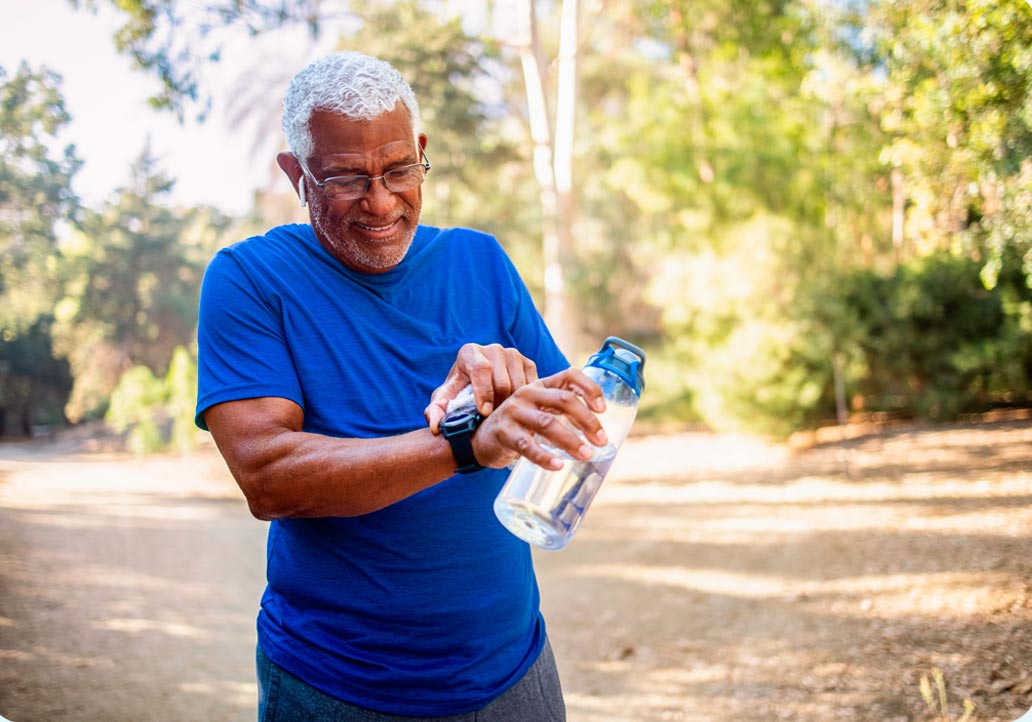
(377, 221)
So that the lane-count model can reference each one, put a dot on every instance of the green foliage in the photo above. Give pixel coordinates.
(35, 194)
(773, 194)
(134, 405)
(181, 387)
(176, 41)
(35, 198)
(133, 271)
(156, 413)
(34, 385)
(935, 342)
(451, 73)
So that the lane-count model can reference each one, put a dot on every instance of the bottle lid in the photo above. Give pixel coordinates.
(623, 359)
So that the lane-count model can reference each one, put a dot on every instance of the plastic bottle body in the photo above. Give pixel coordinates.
(546, 507)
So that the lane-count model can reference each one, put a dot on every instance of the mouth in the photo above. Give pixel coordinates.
(379, 230)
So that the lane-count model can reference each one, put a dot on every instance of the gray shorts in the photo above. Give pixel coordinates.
(282, 697)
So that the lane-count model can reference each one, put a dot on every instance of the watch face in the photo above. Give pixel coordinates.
(457, 418)
(460, 420)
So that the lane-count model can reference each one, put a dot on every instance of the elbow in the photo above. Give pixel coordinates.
(262, 494)
(260, 511)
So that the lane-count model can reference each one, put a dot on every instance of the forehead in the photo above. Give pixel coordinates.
(335, 134)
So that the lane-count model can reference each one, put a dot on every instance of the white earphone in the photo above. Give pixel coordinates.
(301, 192)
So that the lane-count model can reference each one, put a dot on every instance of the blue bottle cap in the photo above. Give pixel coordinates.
(623, 359)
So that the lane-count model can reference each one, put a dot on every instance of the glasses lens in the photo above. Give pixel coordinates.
(404, 179)
(347, 188)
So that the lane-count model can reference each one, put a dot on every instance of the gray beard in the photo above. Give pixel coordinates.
(345, 247)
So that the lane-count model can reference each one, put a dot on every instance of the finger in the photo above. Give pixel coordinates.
(529, 370)
(536, 454)
(518, 441)
(575, 380)
(434, 414)
(568, 409)
(480, 371)
(554, 415)
(438, 406)
(521, 369)
(561, 435)
(501, 384)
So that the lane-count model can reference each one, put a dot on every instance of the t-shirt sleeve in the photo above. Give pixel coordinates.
(241, 349)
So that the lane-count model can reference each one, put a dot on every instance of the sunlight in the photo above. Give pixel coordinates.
(136, 626)
(240, 694)
(946, 594)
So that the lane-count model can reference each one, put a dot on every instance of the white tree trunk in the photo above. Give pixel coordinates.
(553, 165)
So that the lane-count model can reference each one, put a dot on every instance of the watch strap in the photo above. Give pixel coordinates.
(462, 450)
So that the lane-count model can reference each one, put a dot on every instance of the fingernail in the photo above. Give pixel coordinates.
(599, 405)
(602, 438)
(488, 408)
(584, 452)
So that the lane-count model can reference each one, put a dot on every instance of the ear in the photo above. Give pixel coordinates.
(422, 140)
(289, 165)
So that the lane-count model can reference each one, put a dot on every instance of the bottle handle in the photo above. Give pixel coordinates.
(617, 342)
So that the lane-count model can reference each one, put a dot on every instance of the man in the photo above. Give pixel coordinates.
(392, 590)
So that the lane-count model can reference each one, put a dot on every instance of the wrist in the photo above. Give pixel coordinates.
(459, 428)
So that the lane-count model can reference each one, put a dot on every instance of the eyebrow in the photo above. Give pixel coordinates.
(393, 159)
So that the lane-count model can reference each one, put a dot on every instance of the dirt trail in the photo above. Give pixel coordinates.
(715, 579)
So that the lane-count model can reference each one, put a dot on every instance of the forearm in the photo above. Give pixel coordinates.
(286, 473)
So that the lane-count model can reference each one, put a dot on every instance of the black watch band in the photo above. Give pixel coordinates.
(458, 430)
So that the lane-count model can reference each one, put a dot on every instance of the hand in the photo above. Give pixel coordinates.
(495, 373)
(541, 409)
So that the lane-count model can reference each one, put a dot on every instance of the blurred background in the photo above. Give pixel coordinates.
(807, 211)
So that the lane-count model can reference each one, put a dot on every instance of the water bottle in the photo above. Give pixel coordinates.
(545, 507)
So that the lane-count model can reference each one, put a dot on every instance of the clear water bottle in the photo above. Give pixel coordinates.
(545, 507)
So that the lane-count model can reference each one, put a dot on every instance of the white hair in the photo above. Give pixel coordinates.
(354, 85)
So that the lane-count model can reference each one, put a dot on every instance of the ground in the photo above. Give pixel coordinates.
(715, 579)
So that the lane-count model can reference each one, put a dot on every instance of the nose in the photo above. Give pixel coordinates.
(379, 201)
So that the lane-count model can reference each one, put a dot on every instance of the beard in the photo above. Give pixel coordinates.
(359, 253)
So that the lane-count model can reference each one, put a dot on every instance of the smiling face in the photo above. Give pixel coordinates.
(371, 234)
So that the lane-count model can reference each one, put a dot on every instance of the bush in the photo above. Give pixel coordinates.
(156, 413)
(935, 343)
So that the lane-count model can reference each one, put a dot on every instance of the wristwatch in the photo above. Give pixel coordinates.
(458, 428)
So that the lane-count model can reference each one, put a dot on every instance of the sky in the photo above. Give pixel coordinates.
(214, 164)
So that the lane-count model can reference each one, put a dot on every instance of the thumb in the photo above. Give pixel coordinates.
(434, 412)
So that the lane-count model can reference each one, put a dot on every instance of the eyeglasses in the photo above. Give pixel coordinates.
(353, 187)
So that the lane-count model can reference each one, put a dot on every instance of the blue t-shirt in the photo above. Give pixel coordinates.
(428, 607)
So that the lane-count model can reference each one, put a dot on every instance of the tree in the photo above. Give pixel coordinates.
(444, 65)
(134, 269)
(175, 40)
(35, 199)
(35, 194)
(958, 108)
(34, 385)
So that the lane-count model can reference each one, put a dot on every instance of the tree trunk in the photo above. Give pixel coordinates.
(553, 168)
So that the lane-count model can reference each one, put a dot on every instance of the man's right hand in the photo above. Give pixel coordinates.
(539, 409)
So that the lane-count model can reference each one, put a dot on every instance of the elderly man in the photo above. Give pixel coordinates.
(328, 355)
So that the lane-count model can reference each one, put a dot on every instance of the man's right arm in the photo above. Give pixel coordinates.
(285, 472)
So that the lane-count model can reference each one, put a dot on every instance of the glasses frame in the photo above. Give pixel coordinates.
(321, 184)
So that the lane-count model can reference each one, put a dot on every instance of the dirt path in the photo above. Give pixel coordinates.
(716, 579)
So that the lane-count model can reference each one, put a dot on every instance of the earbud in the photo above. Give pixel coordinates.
(301, 192)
